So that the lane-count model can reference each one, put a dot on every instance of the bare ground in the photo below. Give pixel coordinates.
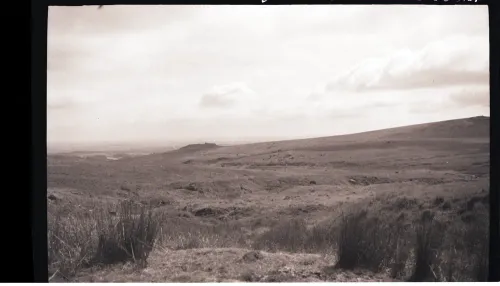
(231, 265)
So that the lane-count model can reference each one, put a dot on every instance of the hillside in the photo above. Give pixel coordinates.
(283, 199)
(198, 147)
(474, 127)
(467, 129)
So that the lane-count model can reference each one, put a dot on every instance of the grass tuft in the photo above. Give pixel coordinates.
(81, 239)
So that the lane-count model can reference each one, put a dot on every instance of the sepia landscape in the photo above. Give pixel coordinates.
(160, 172)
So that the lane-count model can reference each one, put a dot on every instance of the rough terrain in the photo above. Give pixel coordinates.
(249, 189)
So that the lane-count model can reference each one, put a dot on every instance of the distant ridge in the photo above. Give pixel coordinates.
(464, 128)
(199, 147)
(471, 127)
(477, 127)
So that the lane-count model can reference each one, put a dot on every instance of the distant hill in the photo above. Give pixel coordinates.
(198, 147)
(474, 128)
(181, 152)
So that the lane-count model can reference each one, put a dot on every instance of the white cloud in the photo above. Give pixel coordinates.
(456, 60)
(193, 71)
(235, 99)
(461, 100)
(228, 94)
(479, 97)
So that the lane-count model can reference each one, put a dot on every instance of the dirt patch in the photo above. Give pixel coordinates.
(52, 197)
(227, 264)
(252, 256)
(222, 213)
(209, 212)
(285, 183)
(428, 181)
(368, 180)
(192, 187)
(302, 210)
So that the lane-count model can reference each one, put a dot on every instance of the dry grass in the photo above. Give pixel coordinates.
(432, 249)
(242, 197)
(288, 236)
(80, 240)
(361, 242)
(465, 249)
(296, 236)
(420, 245)
(396, 237)
(130, 237)
(428, 241)
(189, 233)
(217, 265)
(70, 243)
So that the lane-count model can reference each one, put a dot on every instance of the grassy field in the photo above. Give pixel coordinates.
(403, 204)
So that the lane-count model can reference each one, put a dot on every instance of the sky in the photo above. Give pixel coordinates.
(138, 74)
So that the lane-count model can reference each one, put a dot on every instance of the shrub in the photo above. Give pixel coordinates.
(129, 238)
(79, 240)
(249, 276)
(400, 259)
(446, 206)
(69, 242)
(321, 238)
(465, 253)
(350, 240)
(288, 236)
(452, 249)
(438, 201)
(428, 240)
(366, 242)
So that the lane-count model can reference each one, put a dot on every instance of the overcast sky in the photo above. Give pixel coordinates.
(180, 73)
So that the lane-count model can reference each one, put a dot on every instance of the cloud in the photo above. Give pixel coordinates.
(117, 18)
(134, 72)
(340, 113)
(216, 100)
(70, 101)
(462, 99)
(458, 60)
(472, 97)
(355, 109)
(226, 95)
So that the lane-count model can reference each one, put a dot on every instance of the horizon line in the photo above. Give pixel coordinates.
(250, 140)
